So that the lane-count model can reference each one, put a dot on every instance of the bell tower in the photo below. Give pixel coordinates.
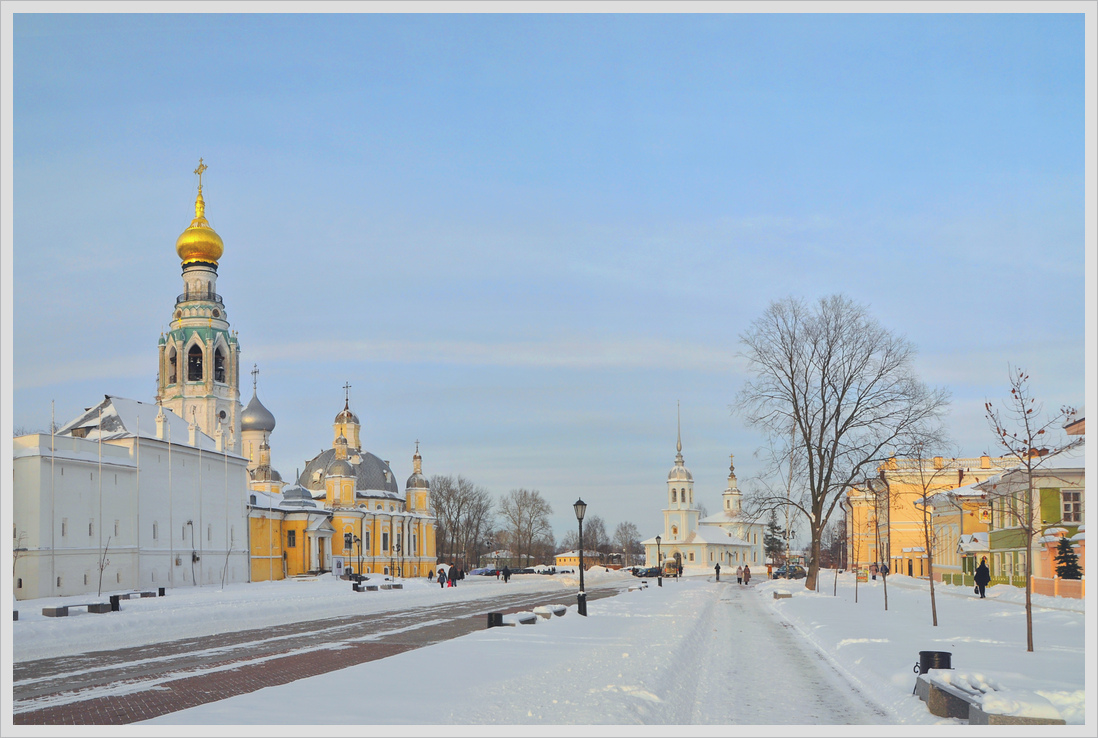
(199, 366)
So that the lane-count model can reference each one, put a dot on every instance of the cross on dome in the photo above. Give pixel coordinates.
(201, 168)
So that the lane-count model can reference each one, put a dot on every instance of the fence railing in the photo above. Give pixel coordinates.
(1054, 587)
(204, 295)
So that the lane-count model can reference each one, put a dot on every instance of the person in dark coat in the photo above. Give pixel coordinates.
(717, 568)
(506, 574)
(746, 574)
(441, 577)
(453, 576)
(982, 577)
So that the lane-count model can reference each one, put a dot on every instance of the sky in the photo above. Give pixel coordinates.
(526, 239)
(742, 657)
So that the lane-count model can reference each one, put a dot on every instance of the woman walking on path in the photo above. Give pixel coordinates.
(739, 575)
(441, 577)
(746, 574)
(982, 577)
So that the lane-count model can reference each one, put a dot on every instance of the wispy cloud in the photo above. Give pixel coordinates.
(564, 353)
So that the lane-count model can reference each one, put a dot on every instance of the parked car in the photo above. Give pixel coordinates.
(790, 571)
(652, 571)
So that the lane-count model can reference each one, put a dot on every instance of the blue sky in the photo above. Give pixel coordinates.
(523, 238)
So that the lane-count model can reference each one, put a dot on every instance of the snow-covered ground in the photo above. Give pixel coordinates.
(692, 652)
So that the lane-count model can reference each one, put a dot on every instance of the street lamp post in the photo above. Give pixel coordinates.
(581, 508)
(659, 563)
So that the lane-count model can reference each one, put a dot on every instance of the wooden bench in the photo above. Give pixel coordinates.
(948, 700)
(63, 610)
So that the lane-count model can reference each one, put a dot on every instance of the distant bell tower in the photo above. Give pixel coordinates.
(680, 517)
(199, 367)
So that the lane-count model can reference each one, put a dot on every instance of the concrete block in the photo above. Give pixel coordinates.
(943, 703)
(976, 716)
(782, 595)
(55, 612)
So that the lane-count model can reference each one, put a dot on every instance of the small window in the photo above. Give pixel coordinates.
(156, 531)
(691, 555)
(385, 542)
(1073, 506)
(209, 532)
(85, 579)
(154, 575)
(91, 525)
(674, 495)
(64, 527)
(58, 581)
(252, 499)
(291, 539)
(19, 583)
(118, 577)
(116, 529)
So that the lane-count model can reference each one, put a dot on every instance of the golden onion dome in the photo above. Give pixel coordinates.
(199, 242)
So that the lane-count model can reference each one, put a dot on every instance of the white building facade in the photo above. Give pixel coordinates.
(697, 545)
(132, 492)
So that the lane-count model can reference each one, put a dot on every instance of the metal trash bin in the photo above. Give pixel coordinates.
(495, 619)
(933, 660)
(160, 592)
(116, 603)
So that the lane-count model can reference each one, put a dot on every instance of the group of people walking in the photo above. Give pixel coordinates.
(743, 573)
(450, 578)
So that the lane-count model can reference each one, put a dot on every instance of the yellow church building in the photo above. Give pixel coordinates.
(344, 512)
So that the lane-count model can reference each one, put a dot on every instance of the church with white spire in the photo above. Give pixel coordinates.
(695, 544)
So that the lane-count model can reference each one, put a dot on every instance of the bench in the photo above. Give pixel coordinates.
(63, 610)
(944, 699)
(782, 595)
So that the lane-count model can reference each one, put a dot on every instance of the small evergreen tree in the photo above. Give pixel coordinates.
(1067, 563)
(773, 541)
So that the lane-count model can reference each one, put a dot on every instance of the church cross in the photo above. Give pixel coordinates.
(347, 394)
(201, 168)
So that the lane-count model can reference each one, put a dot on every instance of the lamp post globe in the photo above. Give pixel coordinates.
(659, 563)
(581, 600)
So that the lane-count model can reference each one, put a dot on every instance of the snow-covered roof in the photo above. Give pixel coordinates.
(124, 418)
(1069, 458)
(973, 542)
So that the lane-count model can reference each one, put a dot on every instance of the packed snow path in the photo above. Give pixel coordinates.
(692, 652)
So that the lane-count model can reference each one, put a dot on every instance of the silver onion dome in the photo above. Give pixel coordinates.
(256, 417)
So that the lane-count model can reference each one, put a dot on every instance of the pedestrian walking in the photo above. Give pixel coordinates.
(441, 577)
(884, 570)
(746, 574)
(717, 568)
(453, 576)
(739, 575)
(982, 577)
(506, 574)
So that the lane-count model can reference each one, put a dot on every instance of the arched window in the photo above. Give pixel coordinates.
(674, 496)
(674, 531)
(194, 364)
(219, 366)
(172, 370)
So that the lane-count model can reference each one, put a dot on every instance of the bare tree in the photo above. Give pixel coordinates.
(839, 389)
(464, 514)
(594, 536)
(627, 540)
(102, 564)
(526, 520)
(18, 549)
(1020, 431)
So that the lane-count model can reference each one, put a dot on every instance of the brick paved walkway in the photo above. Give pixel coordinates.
(243, 669)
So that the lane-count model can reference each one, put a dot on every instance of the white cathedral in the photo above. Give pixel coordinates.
(725, 538)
